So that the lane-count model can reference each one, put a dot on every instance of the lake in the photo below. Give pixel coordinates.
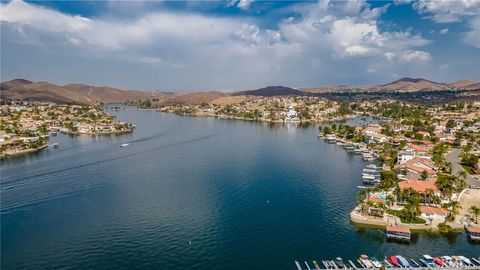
(188, 192)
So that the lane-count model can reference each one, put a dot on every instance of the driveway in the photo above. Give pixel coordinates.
(453, 157)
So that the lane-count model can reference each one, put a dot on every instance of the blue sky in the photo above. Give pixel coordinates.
(239, 44)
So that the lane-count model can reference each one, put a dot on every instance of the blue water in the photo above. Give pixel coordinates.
(187, 192)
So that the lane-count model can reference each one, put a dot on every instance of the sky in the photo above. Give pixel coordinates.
(238, 44)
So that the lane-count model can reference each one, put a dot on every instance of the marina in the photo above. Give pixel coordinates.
(397, 262)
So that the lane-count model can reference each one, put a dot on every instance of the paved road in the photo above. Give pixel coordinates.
(454, 158)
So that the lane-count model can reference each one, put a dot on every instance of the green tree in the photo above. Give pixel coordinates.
(475, 211)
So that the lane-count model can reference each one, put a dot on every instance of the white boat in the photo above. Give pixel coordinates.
(373, 166)
(124, 144)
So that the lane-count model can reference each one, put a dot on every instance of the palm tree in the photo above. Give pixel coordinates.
(475, 211)
(454, 207)
(389, 201)
(448, 167)
(463, 175)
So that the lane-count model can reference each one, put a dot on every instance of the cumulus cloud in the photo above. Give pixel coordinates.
(402, 2)
(472, 37)
(242, 4)
(221, 52)
(416, 56)
(443, 31)
(448, 11)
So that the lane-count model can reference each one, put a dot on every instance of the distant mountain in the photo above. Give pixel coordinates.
(401, 85)
(72, 93)
(410, 84)
(272, 91)
(194, 98)
(16, 82)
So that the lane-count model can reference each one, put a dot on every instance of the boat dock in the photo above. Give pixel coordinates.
(394, 263)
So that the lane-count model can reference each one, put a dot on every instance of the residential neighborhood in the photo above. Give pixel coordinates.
(26, 126)
(425, 172)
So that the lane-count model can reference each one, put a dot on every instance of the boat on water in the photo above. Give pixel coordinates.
(394, 261)
(339, 262)
(364, 261)
(373, 166)
(398, 261)
(402, 261)
(371, 171)
(375, 262)
(124, 144)
(55, 145)
(466, 261)
(428, 261)
(439, 262)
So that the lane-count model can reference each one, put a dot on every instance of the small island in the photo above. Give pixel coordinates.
(26, 126)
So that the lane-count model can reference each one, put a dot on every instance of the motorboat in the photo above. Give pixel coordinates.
(402, 261)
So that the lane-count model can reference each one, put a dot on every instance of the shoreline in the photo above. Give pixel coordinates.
(359, 219)
(343, 118)
(98, 133)
(22, 152)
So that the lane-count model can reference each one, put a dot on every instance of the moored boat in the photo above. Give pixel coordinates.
(393, 260)
(402, 261)
(375, 262)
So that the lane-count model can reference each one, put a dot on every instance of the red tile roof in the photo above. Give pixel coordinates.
(419, 186)
(433, 210)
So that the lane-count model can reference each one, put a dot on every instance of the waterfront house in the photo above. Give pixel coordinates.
(436, 213)
(417, 168)
(420, 186)
(409, 154)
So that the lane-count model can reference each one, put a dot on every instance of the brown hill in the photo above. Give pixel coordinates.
(16, 82)
(72, 93)
(402, 85)
(42, 91)
(465, 84)
(195, 97)
(112, 95)
(410, 84)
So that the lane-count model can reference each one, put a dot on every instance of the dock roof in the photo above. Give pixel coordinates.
(398, 229)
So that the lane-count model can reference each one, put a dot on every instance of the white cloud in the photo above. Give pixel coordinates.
(244, 4)
(443, 31)
(241, 4)
(223, 51)
(415, 56)
(472, 37)
(402, 2)
(448, 11)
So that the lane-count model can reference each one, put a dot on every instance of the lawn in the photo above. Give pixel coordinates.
(399, 214)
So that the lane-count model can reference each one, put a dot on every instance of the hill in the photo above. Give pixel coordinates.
(272, 91)
(72, 93)
(194, 98)
(400, 85)
(16, 82)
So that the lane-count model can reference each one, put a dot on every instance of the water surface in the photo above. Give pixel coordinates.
(190, 192)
